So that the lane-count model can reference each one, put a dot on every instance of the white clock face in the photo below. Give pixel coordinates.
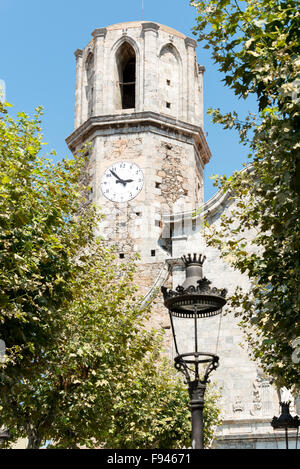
(122, 181)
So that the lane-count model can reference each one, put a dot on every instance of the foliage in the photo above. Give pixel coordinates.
(42, 227)
(256, 45)
(82, 368)
(104, 382)
(159, 414)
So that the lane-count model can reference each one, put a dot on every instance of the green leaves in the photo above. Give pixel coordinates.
(39, 238)
(257, 60)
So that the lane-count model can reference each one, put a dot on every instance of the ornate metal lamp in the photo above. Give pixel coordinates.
(285, 422)
(195, 300)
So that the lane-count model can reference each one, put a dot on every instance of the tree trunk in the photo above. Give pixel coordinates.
(34, 439)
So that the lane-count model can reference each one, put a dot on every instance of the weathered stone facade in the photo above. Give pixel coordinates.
(248, 399)
(166, 72)
(162, 133)
(139, 99)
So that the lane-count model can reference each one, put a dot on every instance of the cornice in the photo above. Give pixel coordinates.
(99, 32)
(78, 53)
(150, 26)
(140, 122)
(189, 42)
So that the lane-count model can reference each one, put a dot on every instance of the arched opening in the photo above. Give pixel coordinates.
(126, 66)
(90, 85)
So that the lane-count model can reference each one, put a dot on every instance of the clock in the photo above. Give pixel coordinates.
(122, 181)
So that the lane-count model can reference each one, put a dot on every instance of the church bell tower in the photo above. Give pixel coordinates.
(139, 101)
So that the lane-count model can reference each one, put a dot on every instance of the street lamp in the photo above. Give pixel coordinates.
(285, 422)
(193, 303)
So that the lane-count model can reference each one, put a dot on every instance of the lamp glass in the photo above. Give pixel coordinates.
(208, 331)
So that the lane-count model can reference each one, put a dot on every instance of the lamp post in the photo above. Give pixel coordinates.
(194, 301)
(285, 422)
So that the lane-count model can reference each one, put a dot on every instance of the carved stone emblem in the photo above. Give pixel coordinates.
(261, 396)
(238, 406)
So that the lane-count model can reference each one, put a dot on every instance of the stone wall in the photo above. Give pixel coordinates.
(173, 172)
(171, 178)
(248, 399)
(167, 80)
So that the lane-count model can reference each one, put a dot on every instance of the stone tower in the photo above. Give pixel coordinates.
(139, 101)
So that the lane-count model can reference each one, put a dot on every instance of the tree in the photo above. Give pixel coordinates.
(82, 368)
(104, 382)
(256, 45)
(42, 228)
(159, 411)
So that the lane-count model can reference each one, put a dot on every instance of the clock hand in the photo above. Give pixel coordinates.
(116, 176)
(125, 181)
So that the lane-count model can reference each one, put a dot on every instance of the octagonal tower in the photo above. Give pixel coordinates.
(139, 100)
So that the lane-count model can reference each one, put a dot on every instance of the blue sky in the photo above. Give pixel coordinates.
(37, 41)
